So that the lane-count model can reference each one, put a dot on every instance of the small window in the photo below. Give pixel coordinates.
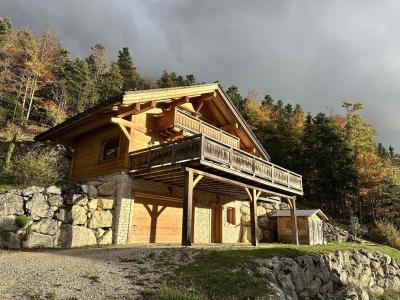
(110, 149)
(231, 215)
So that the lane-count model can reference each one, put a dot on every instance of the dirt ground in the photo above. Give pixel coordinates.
(90, 273)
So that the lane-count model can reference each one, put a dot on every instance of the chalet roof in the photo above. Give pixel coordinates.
(301, 213)
(157, 95)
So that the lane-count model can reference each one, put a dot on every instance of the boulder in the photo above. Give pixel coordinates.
(105, 203)
(37, 240)
(32, 190)
(64, 215)
(78, 215)
(55, 200)
(11, 204)
(76, 236)
(92, 192)
(7, 223)
(107, 189)
(92, 204)
(80, 199)
(45, 226)
(38, 207)
(10, 240)
(53, 190)
(106, 238)
(246, 234)
(101, 219)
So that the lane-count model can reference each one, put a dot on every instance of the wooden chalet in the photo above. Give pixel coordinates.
(189, 139)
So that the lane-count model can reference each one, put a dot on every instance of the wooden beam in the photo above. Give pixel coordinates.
(126, 133)
(187, 209)
(131, 110)
(178, 102)
(230, 127)
(122, 122)
(253, 215)
(196, 181)
(137, 108)
(295, 230)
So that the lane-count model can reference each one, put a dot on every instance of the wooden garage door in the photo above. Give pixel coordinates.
(155, 219)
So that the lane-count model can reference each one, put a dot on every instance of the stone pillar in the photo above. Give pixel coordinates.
(122, 209)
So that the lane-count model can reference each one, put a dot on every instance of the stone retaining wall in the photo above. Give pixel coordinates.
(355, 274)
(82, 215)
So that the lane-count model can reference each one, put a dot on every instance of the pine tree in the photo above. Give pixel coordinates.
(77, 84)
(131, 80)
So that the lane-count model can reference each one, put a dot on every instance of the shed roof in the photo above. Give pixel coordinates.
(301, 213)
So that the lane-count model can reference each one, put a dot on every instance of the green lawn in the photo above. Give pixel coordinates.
(221, 273)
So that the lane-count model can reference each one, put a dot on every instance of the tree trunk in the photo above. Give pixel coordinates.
(31, 100)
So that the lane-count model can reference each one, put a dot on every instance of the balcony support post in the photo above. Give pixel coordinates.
(253, 197)
(295, 229)
(190, 183)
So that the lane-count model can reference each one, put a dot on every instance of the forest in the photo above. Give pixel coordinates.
(345, 172)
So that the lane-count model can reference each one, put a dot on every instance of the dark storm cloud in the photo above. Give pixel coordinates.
(316, 53)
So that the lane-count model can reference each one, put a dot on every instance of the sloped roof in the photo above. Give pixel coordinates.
(301, 213)
(158, 95)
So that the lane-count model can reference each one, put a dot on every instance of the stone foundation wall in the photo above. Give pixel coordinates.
(82, 215)
(353, 274)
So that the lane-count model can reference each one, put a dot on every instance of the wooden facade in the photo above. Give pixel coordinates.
(188, 136)
(309, 222)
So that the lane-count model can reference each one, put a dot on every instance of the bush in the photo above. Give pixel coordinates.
(40, 167)
(22, 221)
(388, 233)
(355, 227)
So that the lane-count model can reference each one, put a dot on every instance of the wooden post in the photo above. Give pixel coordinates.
(253, 196)
(187, 209)
(295, 230)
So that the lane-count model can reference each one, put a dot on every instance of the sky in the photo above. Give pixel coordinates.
(315, 53)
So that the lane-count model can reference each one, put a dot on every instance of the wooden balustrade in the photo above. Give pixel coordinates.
(182, 120)
(203, 148)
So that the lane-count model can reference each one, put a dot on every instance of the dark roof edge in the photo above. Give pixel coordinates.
(44, 135)
(246, 127)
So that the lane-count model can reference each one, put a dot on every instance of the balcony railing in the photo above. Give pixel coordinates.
(205, 149)
(182, 120)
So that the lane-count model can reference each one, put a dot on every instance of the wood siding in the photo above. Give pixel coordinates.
(87, 161)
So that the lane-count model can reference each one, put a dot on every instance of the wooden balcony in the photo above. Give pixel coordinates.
(177, 120)
(205, 153)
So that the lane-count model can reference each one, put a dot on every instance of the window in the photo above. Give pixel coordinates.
(110, 149)
(231, 215)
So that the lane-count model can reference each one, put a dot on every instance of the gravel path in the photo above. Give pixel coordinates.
(92, 273)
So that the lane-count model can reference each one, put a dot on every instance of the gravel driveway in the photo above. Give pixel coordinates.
(91, 273)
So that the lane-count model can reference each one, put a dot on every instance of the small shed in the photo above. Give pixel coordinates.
(309, 223)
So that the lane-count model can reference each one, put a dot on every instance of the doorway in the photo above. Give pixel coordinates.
(216, 224)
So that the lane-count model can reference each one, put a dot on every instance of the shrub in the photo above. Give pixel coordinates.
(22, 221)
(389, 234)
(40, 167)
(355, 227)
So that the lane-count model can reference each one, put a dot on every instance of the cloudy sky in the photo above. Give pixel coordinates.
(316, 53)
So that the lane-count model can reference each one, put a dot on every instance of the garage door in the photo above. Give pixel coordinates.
(155, 219)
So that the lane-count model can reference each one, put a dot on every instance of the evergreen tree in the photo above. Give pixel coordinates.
(234, 95)
(131, 79)
(77, 77)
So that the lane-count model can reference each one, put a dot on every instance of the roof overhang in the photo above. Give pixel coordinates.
(130, 98)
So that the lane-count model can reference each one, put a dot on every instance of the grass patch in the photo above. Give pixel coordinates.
(388, 295)
(224, 273)
(6, 182)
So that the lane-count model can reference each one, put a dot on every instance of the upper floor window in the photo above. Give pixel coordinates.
(110, 148)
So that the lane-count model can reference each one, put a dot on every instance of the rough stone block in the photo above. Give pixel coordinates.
(53, 190)
(101, 219)
(37, 240)
(11, 204)
(76, 236)
(105, 203)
